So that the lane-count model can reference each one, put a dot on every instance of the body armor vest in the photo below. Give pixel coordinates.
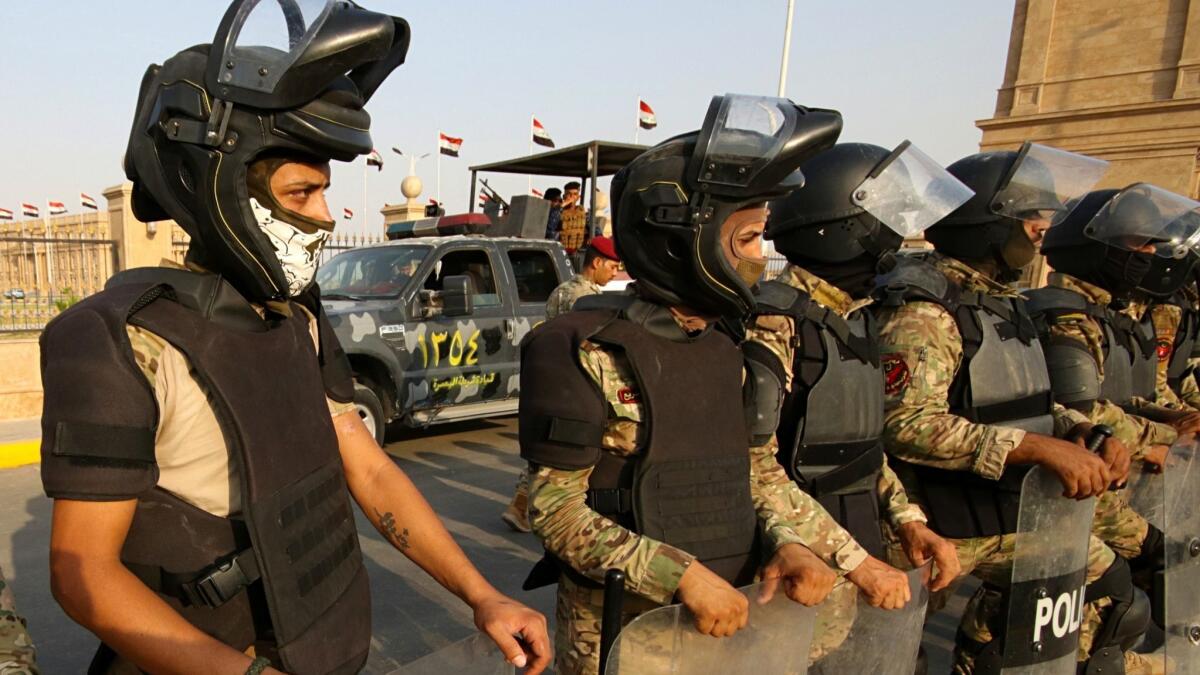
(1002, 380)
(1185, 342)
(832, 419)
(286, 573)
(690, 484)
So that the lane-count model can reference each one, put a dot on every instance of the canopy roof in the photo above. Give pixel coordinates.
(571, 161)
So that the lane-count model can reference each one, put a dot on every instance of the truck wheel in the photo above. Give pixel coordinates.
(370, 410)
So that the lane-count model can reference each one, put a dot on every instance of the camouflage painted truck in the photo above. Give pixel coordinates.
(433, 321)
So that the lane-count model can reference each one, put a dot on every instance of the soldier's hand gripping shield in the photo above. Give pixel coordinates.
(1144, 215)
(854, 637)
(775, 640)
(1049, 568)
(1044, 182)
(477, 655)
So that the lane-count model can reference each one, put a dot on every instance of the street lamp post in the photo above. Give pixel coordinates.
(787, 47)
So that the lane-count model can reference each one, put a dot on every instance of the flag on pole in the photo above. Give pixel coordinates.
(537, 193)
(29, 210)
(86, 201)
(484, 199)
(375, 159)
(646, 118)
(56, 208)
(5, 214)
(449, 145)
(540, 136)
(347, 214)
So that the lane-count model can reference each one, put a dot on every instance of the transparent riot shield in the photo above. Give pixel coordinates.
(665, 640)
(476, 655)
(1182, 542)
(879, 641)
(1145, 493)
(1049, 567)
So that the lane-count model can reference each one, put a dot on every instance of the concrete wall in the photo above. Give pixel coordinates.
(20, 379)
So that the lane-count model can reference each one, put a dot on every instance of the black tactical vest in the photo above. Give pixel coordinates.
(1185, 342)
(832, 419)
(1002, 380)
(286, 573)
(690, 484)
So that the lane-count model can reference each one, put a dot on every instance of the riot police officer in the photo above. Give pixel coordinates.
(199, 436)
(969, 405)
(631, 408)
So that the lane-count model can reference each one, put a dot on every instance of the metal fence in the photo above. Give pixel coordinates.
(42, 276)
(345, 242)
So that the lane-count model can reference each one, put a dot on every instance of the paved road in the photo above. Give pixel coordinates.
(465, 470)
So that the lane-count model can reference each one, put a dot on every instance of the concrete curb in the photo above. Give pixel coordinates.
(20, 453)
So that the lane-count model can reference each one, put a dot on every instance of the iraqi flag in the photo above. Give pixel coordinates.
(375, 159)
(536, 192)
(646, 118)
(56, 208)
(449, 145)
(86, 201)
(29, 210)
(540, 136)
(5, 214)
(347, 214)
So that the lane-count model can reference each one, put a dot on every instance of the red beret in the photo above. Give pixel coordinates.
(605, 247)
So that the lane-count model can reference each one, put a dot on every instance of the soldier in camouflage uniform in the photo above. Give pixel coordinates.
(17, 653)
(813, 345)
(960, 426)
(600, 265)
(1176, 385)
(595, 411)
(574, 219)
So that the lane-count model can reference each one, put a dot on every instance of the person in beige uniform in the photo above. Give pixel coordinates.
(600, 265)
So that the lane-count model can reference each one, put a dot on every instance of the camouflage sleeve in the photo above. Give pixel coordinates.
(1166, 320)
(17, 653)
(592, 544)
(775, 332)
(556, 304)
(1189, 391)
(789, 515)
(893, 500)
(1065, 419)
(921, 350)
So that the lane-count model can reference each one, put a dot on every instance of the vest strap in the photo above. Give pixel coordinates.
(610, 501)
(851, 472)
(211, 587)
(1031, 406)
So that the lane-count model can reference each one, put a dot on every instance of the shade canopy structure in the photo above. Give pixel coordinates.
(585, 161)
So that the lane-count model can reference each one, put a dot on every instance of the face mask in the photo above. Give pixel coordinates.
(1018, 251)
(748, 269)
(1123, 271)
(298, 251)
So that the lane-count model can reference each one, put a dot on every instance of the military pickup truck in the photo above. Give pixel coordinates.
(433, 324)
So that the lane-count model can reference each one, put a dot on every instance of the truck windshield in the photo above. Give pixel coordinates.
(366, 273)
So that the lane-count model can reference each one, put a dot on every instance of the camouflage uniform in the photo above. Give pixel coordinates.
(1167, 317)
(17, 653)
(776, 333)
(922, 350)
(593, 544)
(561, 300)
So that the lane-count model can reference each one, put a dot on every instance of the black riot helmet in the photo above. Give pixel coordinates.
(282, 78)
(858, 203)
(1036, 182)
(671, 202)
(1138, 239)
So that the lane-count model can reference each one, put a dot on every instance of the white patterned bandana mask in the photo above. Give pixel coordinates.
(298, 252)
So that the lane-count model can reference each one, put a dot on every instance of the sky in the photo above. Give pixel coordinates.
(924, 70)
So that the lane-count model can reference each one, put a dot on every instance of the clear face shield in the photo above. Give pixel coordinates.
(1043, 181)
(909, 191)
(747, 134)
(266, 38)
(1148, 219)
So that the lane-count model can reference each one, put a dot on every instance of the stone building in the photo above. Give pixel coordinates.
(1115, 79)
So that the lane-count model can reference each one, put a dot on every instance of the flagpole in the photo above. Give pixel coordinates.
(787, 47)
(529, 177)
(637, 120)
(439, 168)
(46, 237)
(366, 167)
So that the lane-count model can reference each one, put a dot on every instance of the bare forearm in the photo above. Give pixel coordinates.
(108, 600)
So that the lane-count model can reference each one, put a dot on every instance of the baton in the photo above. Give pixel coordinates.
(610, 621)
(1100, 433)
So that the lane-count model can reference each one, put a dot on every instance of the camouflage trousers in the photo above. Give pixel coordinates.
(989, 559)
(17, 653)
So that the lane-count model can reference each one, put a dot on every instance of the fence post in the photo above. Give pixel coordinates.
(138, 244)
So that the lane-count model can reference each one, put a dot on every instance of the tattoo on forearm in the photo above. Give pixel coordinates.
(387, 522)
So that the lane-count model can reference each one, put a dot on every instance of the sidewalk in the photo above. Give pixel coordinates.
(20, 442)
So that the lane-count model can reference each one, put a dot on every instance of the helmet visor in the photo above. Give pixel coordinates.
(265, 38)
(747, 133)
(1143, 217)
(1044, 180)
(908, 191)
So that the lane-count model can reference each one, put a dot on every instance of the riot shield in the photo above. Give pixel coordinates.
(1049, 568)
(476, 654)
(1181, 489)
(879, 641)
(1145, 493)
(665, 640)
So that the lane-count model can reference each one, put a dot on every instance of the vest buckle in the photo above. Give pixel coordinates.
(224, 582)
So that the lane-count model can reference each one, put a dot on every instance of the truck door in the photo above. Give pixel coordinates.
(464, 359)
